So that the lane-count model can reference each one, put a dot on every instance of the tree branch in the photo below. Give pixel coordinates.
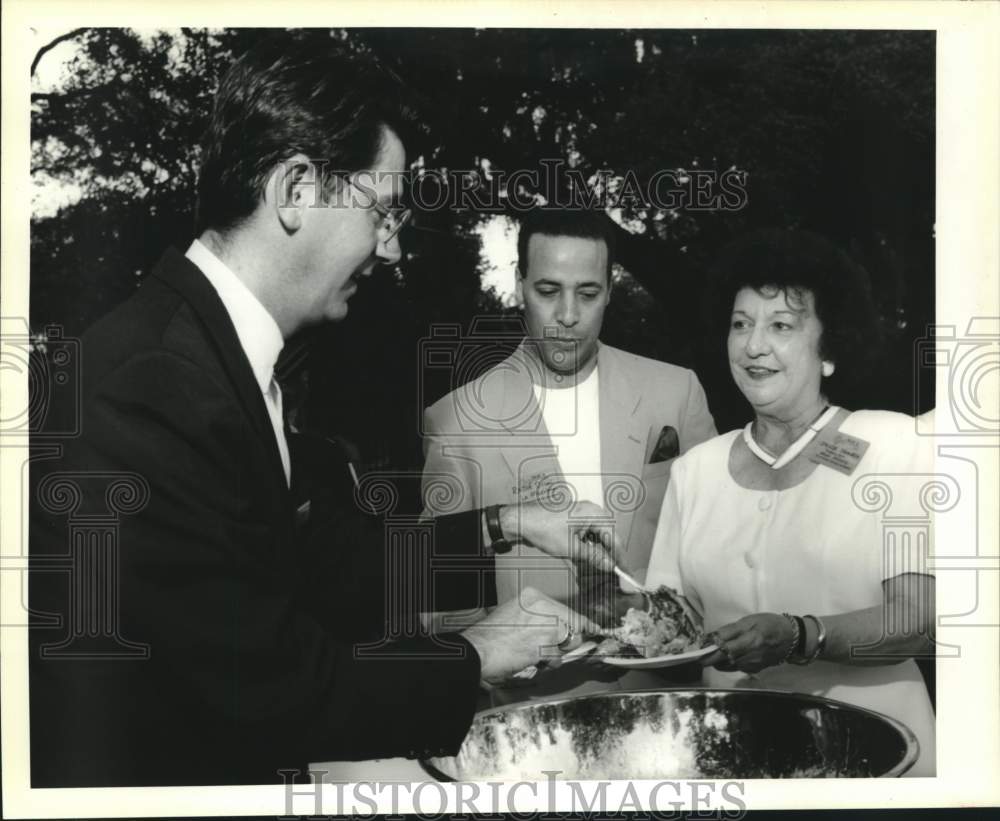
(62, 38)
(62, 96)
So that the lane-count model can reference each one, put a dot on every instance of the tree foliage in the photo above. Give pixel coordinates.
(835, 130)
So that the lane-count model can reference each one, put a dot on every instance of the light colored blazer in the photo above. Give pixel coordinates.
(486, 443)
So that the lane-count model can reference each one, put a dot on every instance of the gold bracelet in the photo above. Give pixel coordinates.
(820, 639)
(820, 642)
(795, 637)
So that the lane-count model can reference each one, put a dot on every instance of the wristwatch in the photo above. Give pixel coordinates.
(498, 543)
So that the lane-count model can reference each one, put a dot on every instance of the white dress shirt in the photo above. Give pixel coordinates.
(573, 421)
(259, 335)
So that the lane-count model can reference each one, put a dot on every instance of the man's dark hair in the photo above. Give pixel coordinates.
(290, 94)
(773, 260)
(552, 222)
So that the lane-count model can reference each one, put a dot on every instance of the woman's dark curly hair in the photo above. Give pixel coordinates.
(794, 261)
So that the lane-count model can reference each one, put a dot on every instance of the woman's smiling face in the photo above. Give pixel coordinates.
(773, 345)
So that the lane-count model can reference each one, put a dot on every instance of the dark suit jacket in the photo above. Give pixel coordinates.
(252, 621)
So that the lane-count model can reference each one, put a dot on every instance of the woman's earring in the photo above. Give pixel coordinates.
(828, 368)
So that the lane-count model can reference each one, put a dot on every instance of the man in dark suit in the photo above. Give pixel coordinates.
(214, 629)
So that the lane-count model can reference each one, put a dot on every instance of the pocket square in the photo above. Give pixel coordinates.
(668, 445)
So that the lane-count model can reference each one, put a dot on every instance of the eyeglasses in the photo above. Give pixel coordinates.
(391, 220)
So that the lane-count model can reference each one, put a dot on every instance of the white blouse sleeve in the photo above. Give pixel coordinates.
(895, 488)
(911, 458)
(664, 558)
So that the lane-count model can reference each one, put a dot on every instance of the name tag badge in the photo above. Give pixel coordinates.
(842, 453)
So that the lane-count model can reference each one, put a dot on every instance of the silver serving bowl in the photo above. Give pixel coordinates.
(673, 734)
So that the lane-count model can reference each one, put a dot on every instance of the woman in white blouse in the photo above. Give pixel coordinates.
(773, 532)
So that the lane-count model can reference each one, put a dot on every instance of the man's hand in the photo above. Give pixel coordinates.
(585, 533)
(524, 631)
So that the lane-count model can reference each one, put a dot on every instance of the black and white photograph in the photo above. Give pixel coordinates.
(402, 411)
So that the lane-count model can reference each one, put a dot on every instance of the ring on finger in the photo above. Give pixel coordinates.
(729, 655)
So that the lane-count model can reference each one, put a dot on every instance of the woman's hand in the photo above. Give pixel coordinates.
(751, 644)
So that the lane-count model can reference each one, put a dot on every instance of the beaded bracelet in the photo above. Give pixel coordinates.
(795, 637)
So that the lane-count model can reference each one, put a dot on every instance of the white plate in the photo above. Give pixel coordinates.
(658, 661)
(580, 652)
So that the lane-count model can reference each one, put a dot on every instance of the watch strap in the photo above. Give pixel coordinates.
(498, 544)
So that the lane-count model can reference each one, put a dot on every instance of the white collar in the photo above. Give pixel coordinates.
(794, 449)
(258, 332)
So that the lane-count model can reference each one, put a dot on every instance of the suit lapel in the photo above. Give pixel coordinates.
(185, 277)
(623, 437)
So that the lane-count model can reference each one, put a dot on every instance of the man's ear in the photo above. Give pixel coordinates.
(294, 185)
(519, 287)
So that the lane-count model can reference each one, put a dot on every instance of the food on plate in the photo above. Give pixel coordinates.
(667, 627)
